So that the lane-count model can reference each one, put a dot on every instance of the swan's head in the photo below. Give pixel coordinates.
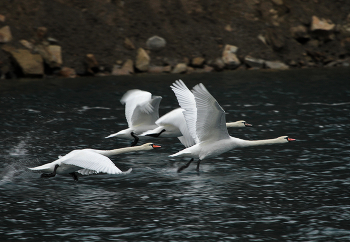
(285, 139)
(149, 146)
(238, 124)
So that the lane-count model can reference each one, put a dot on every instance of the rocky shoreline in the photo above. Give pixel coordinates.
(287, 41)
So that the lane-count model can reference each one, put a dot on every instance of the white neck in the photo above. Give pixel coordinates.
(119, 151)
(246, 143)
(234, 125)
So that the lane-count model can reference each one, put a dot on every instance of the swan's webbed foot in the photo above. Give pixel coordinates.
(156, 135)
(48, 175)
(74, 175)
(136, 139)
(184, 166)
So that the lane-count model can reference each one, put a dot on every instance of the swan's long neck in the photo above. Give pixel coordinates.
(118, 151)
(246, 143)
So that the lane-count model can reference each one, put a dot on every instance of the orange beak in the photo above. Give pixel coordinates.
(156, 146)
(248, 125)
(290, 139)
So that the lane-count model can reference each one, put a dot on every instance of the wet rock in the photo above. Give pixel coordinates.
(142, 60)
(67, 72)
(128, 44)
(230, 58)
(198, 61)
(30, 64)
(5, 34)
(180, 68)
(276, 65)
(91, 64)
(254, 62)
(156, 43)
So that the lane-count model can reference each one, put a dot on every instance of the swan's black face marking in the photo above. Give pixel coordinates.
(156, 135)
(136, 139)
(48, 175)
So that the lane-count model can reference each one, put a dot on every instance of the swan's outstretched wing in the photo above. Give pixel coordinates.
(176, 119)
(86, 159)
(146, 112)
(134, 98)
(187, 101)
(211, 121)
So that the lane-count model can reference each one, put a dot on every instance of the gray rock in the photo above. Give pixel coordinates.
(156, 43)
(276, 65)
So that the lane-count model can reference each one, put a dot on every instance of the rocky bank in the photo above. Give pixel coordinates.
(40, 38)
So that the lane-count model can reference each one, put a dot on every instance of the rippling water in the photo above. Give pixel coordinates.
(290, 192)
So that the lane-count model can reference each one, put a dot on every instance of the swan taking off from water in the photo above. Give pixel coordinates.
(141, 112)
(206, 123)
(88, 161)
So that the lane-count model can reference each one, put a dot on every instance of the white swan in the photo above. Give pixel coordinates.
(88, 161)
(141, 112)
(206, 122)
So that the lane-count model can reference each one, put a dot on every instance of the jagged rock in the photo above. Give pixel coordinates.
(276, 65)
(300, 33)
(142, 60)
(117, 71)
(128, 44)
(229, 57)
(51, 54)
(5, 34)
(156, 43)
(91, 63)
(27, 44)
(254, 62)
(198, 61)
(128, 66)
(322, 24)
(30, 64)
(67, 72)
(180, 68)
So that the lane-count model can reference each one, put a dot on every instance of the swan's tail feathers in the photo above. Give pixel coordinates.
(40, 168)
(180, 153)
(111, 135)
(127, 172)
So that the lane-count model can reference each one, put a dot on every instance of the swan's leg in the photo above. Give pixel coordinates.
(74, 175)
(156, 135)
(136, 139)
(197, 169)
(47, 175)
(184, 166)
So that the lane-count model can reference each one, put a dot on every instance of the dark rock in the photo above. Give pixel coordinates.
(156, 43)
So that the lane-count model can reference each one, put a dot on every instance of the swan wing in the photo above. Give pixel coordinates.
(146, 112)
(86, 159)
(187, 102)
(134, 98)
(211, 121)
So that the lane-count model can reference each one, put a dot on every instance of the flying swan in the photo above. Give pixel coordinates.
(206, 123)
(141, 112)
(87, 162)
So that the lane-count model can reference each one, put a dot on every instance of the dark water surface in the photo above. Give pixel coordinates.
(298, 191)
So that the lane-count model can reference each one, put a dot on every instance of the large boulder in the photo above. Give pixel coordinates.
(30, 64)
(142, 60)
(229, 57)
